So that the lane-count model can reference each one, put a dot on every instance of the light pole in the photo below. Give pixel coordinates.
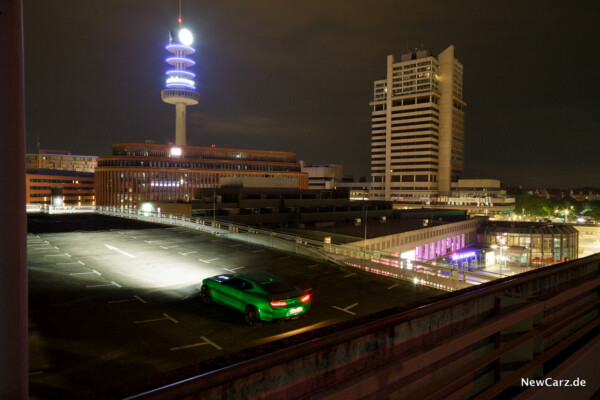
(366, 219)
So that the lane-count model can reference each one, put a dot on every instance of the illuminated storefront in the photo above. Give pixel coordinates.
(543, 243)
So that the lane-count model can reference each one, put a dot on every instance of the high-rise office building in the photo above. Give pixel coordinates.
(417, 134)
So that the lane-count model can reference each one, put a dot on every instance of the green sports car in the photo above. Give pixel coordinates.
(261, 296)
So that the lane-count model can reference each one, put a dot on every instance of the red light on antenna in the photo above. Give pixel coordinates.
(179, 20)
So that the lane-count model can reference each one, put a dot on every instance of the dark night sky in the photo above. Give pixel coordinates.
(298, 76)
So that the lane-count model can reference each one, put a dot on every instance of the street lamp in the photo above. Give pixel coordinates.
(502, 241)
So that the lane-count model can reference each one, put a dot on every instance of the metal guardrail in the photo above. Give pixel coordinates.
(439, 276)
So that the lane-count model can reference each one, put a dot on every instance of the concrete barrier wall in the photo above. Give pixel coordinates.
(460, 345)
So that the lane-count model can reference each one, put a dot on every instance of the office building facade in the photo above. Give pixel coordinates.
(417, 135)
(58, 176)
(140, 172)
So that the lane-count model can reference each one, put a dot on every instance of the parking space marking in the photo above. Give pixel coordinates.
(393, 286)
(140, 299)
(81, 262)
(236, 245)
(185, 254)
(112, 283)
(119, 250)
(56, 247)
(68, 255)
(258, 251)
(85, 273)
(347, 308)
(34, 373)
(349, 275)
(168, 247)
(314, 265)
(166, 317)
(67, 263)
(208, 261)
(135, 298)
(232, 269)
(206, 341)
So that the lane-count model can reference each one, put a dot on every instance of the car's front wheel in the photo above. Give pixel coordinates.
(251, 315)
(205, 294)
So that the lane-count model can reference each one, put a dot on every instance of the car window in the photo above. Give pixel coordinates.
(245, 285)
(238, 283)
(278, 287)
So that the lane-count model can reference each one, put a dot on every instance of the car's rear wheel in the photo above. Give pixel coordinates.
(205, 294)
(251, 315)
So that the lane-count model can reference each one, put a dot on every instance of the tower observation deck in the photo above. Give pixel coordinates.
(180, 85)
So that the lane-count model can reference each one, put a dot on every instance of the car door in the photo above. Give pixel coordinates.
(231, 293)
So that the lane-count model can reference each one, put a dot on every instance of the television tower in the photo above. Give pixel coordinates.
(180, 86)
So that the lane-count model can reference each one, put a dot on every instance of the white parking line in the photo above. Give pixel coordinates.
(56, 247)
(258, 251)
(185, 254)
(349, 275)
(347, 308)
(206, 341)
(166, 317)
(67, 254)
(393, 286)
(140, 299)
(168, 247)
(232, 269)
(112, 283)
(135, 298)
(81, 262)
(208, 261)
(314, 265)
(236, 245)
(84, 273)
(120, 251)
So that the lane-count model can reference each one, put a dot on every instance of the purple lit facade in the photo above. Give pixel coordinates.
(439, 248)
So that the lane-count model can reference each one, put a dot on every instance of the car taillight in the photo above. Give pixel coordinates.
(305, 298)
(278, 304)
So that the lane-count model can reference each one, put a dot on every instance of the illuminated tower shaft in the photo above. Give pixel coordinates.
(180, 88)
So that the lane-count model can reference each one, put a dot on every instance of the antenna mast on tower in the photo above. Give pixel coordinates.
(179, 19)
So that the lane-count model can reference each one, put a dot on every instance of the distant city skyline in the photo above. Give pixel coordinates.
(298, 78)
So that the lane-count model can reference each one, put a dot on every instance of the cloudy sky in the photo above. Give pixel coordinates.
(298, 76)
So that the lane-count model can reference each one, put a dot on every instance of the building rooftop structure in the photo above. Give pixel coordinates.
(60, 160)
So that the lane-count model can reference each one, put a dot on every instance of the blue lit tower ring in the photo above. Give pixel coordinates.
(180, 85)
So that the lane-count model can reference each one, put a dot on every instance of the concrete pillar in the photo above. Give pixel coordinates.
(180, 132)
(13, 263)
